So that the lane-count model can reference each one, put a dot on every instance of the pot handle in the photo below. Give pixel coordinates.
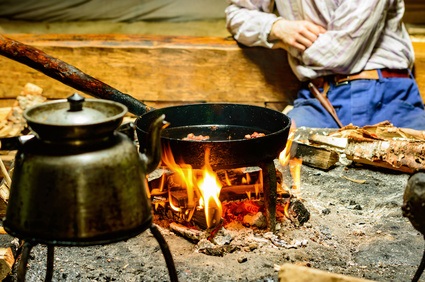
(67, 74)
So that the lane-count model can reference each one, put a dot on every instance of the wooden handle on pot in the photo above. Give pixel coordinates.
(67, 74)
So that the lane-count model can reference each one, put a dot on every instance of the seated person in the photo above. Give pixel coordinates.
(358, 54)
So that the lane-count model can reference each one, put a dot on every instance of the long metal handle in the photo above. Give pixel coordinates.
(67, 74)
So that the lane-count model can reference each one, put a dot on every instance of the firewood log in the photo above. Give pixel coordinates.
(381, 145)
(6, 262)
(296, 273)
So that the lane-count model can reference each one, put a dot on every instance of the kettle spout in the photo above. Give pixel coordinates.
(152, 154)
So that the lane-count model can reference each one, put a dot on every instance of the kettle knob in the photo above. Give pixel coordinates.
(75, 102)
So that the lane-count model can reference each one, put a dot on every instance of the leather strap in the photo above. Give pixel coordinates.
(323, 82)
(389, 73)
(324, 102)
(367, 74)
(320, 82)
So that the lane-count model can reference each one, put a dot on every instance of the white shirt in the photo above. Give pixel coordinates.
(361, 34)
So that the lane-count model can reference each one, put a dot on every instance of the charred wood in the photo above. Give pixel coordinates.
(298, 213)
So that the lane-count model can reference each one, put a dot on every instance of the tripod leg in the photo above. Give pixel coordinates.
(22, 268)
(166, 252)
(49, 265)
(420, 269)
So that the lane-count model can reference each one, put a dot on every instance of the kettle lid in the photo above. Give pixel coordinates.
(76, 111)
(74, 117)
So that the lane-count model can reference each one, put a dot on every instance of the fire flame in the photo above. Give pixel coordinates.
(210, 187)
(203, 189)
(294, 166)
(185, 173)
(286, 209)
(285, 155)
(295, 169)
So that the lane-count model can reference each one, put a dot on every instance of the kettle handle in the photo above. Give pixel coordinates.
(152, 155)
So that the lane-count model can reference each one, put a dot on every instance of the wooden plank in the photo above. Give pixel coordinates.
(419, 47)
(414, 12)
(297, 273)
(160, 69)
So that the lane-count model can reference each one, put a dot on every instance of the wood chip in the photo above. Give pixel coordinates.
(354, 180)
(6, 262)
(188, 233)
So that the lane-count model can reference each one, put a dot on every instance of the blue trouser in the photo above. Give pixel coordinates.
(363, 102)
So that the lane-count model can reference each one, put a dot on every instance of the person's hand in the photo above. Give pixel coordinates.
(297, 34)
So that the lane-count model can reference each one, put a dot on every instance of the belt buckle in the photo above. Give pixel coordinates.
(342, 81)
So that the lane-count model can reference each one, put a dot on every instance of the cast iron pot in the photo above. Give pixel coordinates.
(233, 120)
(226, 126)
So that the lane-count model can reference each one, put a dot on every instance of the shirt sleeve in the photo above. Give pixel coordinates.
(352, 33)
(250, 21)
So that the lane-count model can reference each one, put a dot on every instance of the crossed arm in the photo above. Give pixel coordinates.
(297, 34)
(250, 21)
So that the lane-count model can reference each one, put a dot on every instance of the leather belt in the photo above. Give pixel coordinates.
(366, 74)
(325, 81)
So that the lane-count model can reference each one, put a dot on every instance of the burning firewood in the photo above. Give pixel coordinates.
(211, 201)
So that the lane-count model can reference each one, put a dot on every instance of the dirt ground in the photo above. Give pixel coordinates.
(355, 229)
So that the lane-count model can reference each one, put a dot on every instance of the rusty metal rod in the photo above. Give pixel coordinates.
(67, 74)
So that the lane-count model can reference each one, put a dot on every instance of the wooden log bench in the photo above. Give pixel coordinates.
(167, 70)
(160, 70)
